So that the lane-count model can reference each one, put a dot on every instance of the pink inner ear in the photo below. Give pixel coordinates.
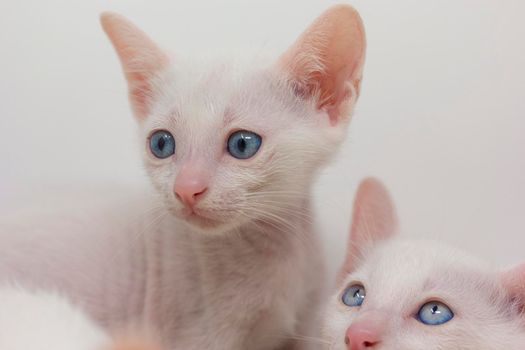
(140, 94)
(140, 57)
(374, 219)
(514, 281)
(327, 60)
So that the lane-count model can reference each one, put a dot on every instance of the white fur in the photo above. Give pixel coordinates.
(45, 321)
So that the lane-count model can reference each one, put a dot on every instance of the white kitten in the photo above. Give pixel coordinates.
(414, 294)
(226, 258)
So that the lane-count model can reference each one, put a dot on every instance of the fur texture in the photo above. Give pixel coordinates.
(240, 268)
(401, 275)
(42, 321)
(39, 320)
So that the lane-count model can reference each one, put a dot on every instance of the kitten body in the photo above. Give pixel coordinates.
(224, 255)
(401, 275)
(128, 267)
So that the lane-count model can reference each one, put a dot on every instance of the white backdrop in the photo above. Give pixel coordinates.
(441, 119)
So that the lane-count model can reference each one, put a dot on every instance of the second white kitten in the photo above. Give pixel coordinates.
(415, 294)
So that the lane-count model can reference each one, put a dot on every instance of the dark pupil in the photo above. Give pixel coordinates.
(241, 144)
(161, 143)
(435, 309)
(357, 294)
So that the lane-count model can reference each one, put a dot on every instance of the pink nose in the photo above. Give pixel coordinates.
(191, 185)
(190, 193)
(361, 337)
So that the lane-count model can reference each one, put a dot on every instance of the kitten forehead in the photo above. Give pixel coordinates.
(195, 92)
(419, 255)
(419, 268)
(203, 96)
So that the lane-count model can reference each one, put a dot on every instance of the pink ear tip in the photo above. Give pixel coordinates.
(344, 12)
(106, 16)
(349, 9)
(108, 19)
(373, 197)
(371, 184)
(347, 17)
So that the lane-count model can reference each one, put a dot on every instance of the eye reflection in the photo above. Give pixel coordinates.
(244, 144)
(162, 144)
(354, 295)
(435, 313)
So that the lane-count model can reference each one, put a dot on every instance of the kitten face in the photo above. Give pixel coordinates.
(400, 277)
(203, 113)
(295, 108)
(472, 306)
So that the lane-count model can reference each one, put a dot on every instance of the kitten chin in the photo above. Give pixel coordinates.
(201, 224)
(201, 221)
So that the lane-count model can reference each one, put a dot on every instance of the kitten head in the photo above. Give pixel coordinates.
(230, 142)
(407, 294)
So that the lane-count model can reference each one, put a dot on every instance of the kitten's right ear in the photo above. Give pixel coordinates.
(514, 283)
(140, 57)
(374, 218)
(326, 62)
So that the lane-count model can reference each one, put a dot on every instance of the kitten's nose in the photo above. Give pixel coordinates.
(190, 186)
(365, 333)
(189, 194)
(360, 338)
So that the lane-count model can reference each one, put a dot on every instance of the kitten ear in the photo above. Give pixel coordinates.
(140, 57)
(374, 218)
(326, 62)
(514, 283)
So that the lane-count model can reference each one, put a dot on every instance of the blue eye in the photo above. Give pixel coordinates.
(354, 295)
(243, 144)
(434, 313)
(162, 144)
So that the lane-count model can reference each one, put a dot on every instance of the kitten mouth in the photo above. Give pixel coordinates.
(197, 218)
(205, 220)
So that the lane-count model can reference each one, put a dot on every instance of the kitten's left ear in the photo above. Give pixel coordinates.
(140, 57)
(374, 218)
(326, 62)
(514, 283)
